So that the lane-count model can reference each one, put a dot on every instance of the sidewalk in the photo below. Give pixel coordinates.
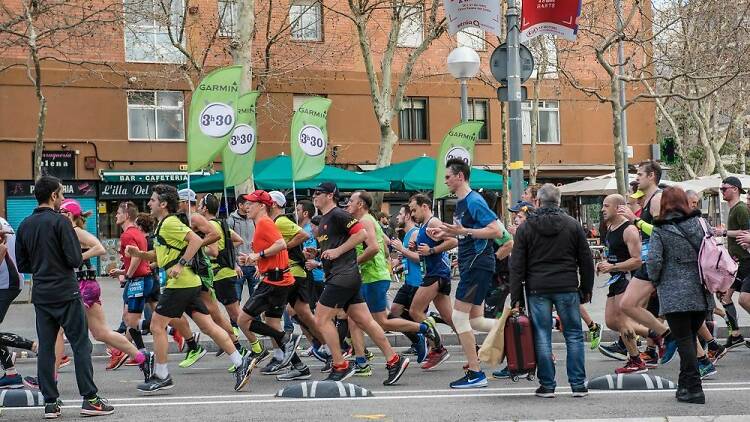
(20, 318)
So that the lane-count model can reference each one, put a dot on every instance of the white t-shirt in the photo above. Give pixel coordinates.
(10, 242)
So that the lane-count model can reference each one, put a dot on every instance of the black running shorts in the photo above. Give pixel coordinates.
(174, 302)
(226, 292)
(300, 291)
(268, 299)
(405, 295)
(334, 296)
(444, 284)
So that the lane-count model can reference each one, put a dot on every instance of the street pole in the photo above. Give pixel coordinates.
(514, 103)
(621, 72)
(464, 100)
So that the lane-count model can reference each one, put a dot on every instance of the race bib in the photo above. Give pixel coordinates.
(135, 287)
(613, 279)
(644, 251)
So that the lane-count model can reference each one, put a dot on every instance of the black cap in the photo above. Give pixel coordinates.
(733, 181)
(520, 205)
(327, 187)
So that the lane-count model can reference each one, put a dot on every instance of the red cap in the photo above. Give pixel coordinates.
(259, 196)
(72, 206)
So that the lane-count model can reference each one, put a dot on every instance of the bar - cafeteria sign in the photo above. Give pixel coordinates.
(552, 17)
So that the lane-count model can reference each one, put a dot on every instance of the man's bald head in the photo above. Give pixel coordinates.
(610, 205)
(615, 199)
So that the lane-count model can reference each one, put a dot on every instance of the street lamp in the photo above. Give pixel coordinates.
(463, 64)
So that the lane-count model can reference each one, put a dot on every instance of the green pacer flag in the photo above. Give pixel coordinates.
(238, 157)
(458, 143)
(309, 138)
(212, 115)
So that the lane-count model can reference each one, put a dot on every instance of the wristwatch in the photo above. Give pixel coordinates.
(184, 262)
(262, 253)
(432, 251)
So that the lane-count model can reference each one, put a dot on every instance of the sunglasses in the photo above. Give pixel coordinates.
(724, 188)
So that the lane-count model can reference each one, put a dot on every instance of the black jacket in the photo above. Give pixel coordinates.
(47, 247)
(549, 253)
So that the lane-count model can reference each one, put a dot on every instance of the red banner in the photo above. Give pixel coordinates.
(552, 17)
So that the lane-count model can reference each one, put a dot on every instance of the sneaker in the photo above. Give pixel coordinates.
(633, 366)
(147, 367)
(155, 384)
(732, 342)
(347, 351)
(301, 373)
(363, 371)
(670, 351)
(580, 391)
(341, 374)
(290, 347)
(220, 353)
(327, 366)
(64, 361)
(237, 332)
(131, 362)
(179, 341)
(96, 407)
(435, 358)
(232, 369)
(274, 367)
(260, 356)
(433, 334)
(192, 357)
(706, 369)
(31, 383)
(396, 370)
(650, 359)
(411, 351)
(242, 374)
(614, 351)
(472, 379)
(319, 354)
(421, 348)
(369, 355)
(596, 336)
(11, 381)
(544, 392)
(116, 360)
(52, 410)
(505, 374)
(715, 355)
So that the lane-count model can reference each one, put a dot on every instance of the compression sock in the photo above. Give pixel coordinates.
(731, 317)
(263, 329)
(137, 337)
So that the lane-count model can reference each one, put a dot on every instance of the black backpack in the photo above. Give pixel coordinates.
(226, 257)
(199, 264)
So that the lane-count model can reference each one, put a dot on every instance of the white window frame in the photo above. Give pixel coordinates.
(471, 37)
(155, 109)
(169, 53)
(307, 7)
(411, 33)
(486, 128)
(410, 101)
(544, 106)
(228, 10)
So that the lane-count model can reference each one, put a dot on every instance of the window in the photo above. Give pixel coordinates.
(410, 33)
(228, 15)
(544, 50)
(305, 18)
(413, 119)
(549, 122)
(478, 113)
(147, 29)
(471, 37)
(156, 116)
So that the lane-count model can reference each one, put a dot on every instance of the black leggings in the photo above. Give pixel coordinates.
(684, 327)
(11, 340)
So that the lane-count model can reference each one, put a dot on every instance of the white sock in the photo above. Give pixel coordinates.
(161, 371)
(236, 358)
(278, 354)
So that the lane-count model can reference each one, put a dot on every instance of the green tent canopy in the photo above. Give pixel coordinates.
(276, 174)
(418, 174)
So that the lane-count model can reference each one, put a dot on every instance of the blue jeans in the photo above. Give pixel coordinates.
(540, 309)
(249, 276)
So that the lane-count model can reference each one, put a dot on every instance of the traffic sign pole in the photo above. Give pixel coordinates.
(514, 102)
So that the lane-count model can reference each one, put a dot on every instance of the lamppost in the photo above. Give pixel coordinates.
(463, 64)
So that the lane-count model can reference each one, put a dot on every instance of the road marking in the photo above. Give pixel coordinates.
(371, 417)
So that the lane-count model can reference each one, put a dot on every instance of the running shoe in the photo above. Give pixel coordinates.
(363, 371)
(650, 359)
(220, 353)
(544, 392)
(274, 367)
(369, 355)
(580, 391)
(179, 341)
(319, 354)
(596, 336)
(236, 331)
(131, 362)
(505, 374)
(614, 351)
(433, 333)
(715, 355)
(295, 373)
(421, 348)
(327, 366)
(31, 383)
(64, 361)
(242, 374)
(52, 410)
(435, 358)
(634, 365)
(260, 356)
(706, 369)
(341, 374)
(670, 351)
(147, 367)
(732, 341)
(290, 347)
(192, 357)
(96, 407)
(11, 381)
(232, 369)
(411, 351)
(116, 360)
(472, 379)
(347, 351)
(155, 384)
(396, 370)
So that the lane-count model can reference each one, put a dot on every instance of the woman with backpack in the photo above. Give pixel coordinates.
(674, 269)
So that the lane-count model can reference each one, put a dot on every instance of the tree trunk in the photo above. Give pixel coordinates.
(243, 56)
(621, 171)
(35, 76)
(388, 139)
(506, 167)
(533, 166)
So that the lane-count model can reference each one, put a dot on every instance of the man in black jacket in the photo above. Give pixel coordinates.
(549, 253)
(47, 248)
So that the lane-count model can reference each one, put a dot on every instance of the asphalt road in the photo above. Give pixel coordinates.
(205, 392)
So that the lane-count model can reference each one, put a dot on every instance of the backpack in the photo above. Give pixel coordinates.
(226, 258)
(716, 267)
(199, 264)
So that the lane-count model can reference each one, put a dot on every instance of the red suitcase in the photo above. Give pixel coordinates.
(519, 346)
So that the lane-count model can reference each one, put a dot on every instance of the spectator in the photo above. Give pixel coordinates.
(549, 253)
(673, 268)
(243, 226)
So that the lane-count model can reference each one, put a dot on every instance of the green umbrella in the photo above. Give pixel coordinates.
(419, 174)
(275, 173)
